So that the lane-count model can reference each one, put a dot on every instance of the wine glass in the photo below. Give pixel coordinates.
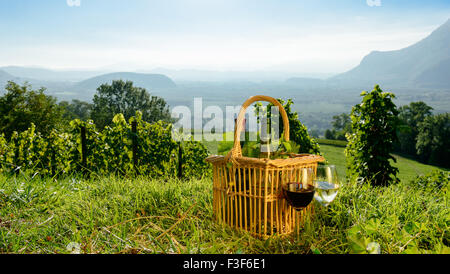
(326, 183)
(300, 194)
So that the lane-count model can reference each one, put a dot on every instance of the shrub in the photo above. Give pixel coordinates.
(192, 163)
(434, 181)
(374, 124)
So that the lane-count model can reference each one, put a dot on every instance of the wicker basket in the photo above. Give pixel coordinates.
(247, 192)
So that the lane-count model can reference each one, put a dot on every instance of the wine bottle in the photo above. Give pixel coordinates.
(265, 149)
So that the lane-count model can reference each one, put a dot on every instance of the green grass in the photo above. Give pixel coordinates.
(408, 169)
(334, 156)
(141, 215)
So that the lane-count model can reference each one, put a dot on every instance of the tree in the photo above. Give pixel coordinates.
(329, 134)
(410, 117)
(76, 110)
(342, 122)
(374, 124)
(123, 97)
(21, 106)
(433, 140)
(342, 125)
(314, 133)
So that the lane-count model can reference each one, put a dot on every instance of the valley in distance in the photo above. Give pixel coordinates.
(419, 72)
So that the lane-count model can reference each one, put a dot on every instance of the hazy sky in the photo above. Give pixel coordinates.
(301, 36)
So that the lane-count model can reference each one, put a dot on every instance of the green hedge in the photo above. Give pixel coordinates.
(337, 143)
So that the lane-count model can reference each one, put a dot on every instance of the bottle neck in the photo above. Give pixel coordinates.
(265, 150)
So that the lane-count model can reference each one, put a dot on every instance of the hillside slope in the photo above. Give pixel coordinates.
(408, 168)
(424, 64)
(44, 74)
(5, 77)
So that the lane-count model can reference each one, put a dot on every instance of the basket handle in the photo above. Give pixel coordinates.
(236, 151)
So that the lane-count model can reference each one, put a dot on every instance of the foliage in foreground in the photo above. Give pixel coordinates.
(141, 215)
(108, 151)
(374, 125)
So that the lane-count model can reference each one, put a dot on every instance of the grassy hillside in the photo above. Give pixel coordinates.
(333, 151)
(408, 169)
(143, 215)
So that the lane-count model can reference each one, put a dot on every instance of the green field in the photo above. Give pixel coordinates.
(408, 169)
(142, 215)
(333, 151)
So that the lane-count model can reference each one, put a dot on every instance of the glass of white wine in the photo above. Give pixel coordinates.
(327, 184)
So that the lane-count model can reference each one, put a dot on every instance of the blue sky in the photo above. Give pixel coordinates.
(302, 36)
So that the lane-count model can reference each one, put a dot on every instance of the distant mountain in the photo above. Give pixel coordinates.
(5, 77)
(424, 64)
(84, 90)
(44, 74)
(148, 81)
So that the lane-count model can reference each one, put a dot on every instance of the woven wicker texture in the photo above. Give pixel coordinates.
(247, 192)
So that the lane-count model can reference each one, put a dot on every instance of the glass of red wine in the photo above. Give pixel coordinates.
(300, 194)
